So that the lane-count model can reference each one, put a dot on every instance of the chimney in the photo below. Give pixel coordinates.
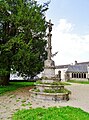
(75, 62)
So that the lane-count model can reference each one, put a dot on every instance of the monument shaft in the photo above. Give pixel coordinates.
(49, 65)
(49, 40)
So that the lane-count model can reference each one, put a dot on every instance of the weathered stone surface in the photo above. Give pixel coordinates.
(49, 63)
(49, 73)
(49, 96)
(48, 80)
(42, 87)
(49, 69)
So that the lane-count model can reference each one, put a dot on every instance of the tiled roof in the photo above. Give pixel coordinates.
(77, 68)
(83, 63)
(67, 65)
(62, 66)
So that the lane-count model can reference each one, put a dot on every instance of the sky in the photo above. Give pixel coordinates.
(70, 33)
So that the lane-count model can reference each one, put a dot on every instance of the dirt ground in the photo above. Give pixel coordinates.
(13, 101)
(20, 99)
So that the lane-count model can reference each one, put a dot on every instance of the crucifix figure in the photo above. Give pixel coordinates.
(49, 39)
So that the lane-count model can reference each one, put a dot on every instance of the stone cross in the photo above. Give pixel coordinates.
(49, 39)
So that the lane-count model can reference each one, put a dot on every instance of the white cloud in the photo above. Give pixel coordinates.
(64, 26)
(71, 46)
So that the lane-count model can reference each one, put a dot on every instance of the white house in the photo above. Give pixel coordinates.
(78, 71)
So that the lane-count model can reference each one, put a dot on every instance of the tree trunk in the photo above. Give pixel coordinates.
(4, 80)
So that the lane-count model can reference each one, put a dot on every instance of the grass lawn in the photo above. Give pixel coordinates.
(13, 86)
(52, 113)
(76, 81)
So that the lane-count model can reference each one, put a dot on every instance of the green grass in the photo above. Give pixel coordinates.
(57, 91)
(52, 113)
(23, 101)
(76, 81)
(54, 83)
(14, 85)
(26, 104)
(65, 83)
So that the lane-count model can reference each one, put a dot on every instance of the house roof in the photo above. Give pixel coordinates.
(77, 68)
(62, 66)
(83, 63)
(67, 65)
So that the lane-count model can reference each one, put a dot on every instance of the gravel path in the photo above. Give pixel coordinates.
(19, 99)
(79, 97)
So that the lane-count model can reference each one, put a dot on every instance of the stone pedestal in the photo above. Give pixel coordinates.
(49, 69)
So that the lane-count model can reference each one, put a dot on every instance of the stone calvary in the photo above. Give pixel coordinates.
(50, 87)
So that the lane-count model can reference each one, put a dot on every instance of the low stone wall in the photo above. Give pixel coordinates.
(49, 96)
(50, 80)
(42, 87)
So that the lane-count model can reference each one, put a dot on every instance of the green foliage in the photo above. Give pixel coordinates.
(36, 90)
(22, 37)
(77, 81)
(13, 86)
(59, 83)
(63, 90)
(52, 113)
(3, 72)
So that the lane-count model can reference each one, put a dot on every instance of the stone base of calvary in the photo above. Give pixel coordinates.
(49, 88)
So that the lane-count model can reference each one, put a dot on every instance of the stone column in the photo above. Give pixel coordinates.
(49, 65)
(49, 46)
(49, 39)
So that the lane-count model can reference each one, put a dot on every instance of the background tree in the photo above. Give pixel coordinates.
(22, 38)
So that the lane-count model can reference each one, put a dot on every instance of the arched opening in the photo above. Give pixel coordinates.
(84, 75)
(72, 75)
(59, 74)
(79, 75)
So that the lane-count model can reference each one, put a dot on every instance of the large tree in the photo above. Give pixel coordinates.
(22, 38)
